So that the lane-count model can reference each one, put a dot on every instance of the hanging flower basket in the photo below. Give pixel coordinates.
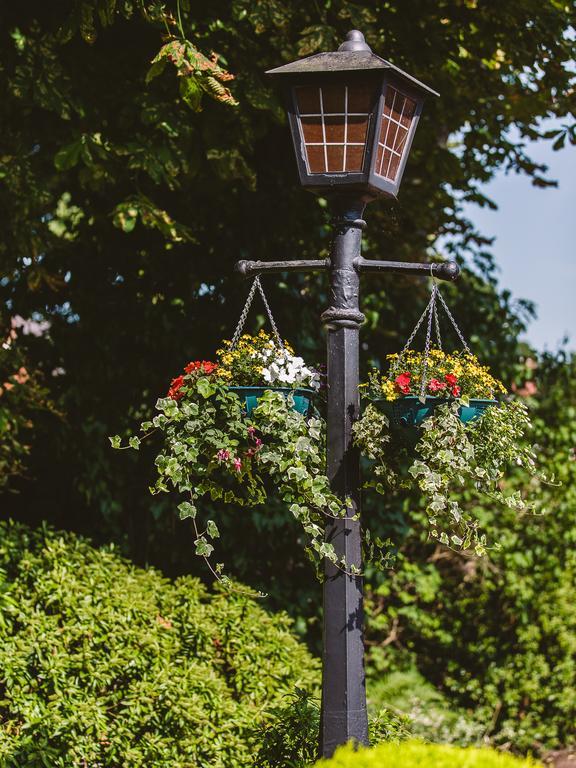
(237, 427)
(253, 365)
(442, 409)
(419, 382)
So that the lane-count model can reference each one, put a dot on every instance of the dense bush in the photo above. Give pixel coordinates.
(106, 664)
(414, 754)
(431, 715)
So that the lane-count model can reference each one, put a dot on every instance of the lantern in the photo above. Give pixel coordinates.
(352, 117)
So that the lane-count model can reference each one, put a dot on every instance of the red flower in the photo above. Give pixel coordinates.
(456, 390)
(175, 388)
(436, 386)
(204, 366)
(403, 383)
(450, 379)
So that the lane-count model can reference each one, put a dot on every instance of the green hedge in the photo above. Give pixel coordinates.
(106, 664)
(415, 754)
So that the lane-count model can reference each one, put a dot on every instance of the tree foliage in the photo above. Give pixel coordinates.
(130, 182)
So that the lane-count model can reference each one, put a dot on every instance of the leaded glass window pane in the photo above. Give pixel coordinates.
(397, 117)
(334, 123)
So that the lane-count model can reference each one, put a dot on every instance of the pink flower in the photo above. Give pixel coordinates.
(258, 442)
(456, 391)
(237, 464)
(436, 386)
(251, 431)
(223, 455)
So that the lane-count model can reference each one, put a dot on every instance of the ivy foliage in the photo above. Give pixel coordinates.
(212, 447)
(450, 458)
(105, 663)
(414, 754)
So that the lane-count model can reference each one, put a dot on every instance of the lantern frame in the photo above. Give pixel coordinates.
(353, 65)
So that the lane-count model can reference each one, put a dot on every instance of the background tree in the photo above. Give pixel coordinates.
(134, 172)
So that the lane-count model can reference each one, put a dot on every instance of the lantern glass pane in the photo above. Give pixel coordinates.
(333, 121)
(312, 130)
(397, 117)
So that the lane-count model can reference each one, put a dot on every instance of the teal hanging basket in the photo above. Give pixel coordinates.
(303, 398)
(406, 414)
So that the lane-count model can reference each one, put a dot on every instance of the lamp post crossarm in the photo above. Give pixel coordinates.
(447, 270)
(251, 268)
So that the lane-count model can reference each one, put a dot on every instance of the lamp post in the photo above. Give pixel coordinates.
(352, 116)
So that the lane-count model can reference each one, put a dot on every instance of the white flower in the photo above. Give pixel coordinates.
(279, 366)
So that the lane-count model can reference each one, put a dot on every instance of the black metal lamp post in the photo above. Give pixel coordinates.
(352, 117)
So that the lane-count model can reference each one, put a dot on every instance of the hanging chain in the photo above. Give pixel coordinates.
(243, 315)
(279, 341)
(256, 284)
(454, 323)
(437, 325)
(396, 365)
(431, 314)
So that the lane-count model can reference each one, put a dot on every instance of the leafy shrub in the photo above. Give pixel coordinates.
(289, 736)
(106, 664)
(430, 715)
(413, 754)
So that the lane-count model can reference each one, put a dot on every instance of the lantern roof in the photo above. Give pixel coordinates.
(353, 55)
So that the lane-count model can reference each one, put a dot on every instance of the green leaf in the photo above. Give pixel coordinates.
(115, 441)
(203, 548)
(134, 442)
(191, 93)
(212, 529)
(156, 69)
(205, 388)
(68, 156)
(186, 509)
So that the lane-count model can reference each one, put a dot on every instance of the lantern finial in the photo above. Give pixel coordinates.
(355, 42)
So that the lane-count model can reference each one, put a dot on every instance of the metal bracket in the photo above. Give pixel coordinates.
(251, 268)
(447, 270)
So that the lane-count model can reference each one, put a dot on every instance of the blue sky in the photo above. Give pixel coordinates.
(535, 246)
